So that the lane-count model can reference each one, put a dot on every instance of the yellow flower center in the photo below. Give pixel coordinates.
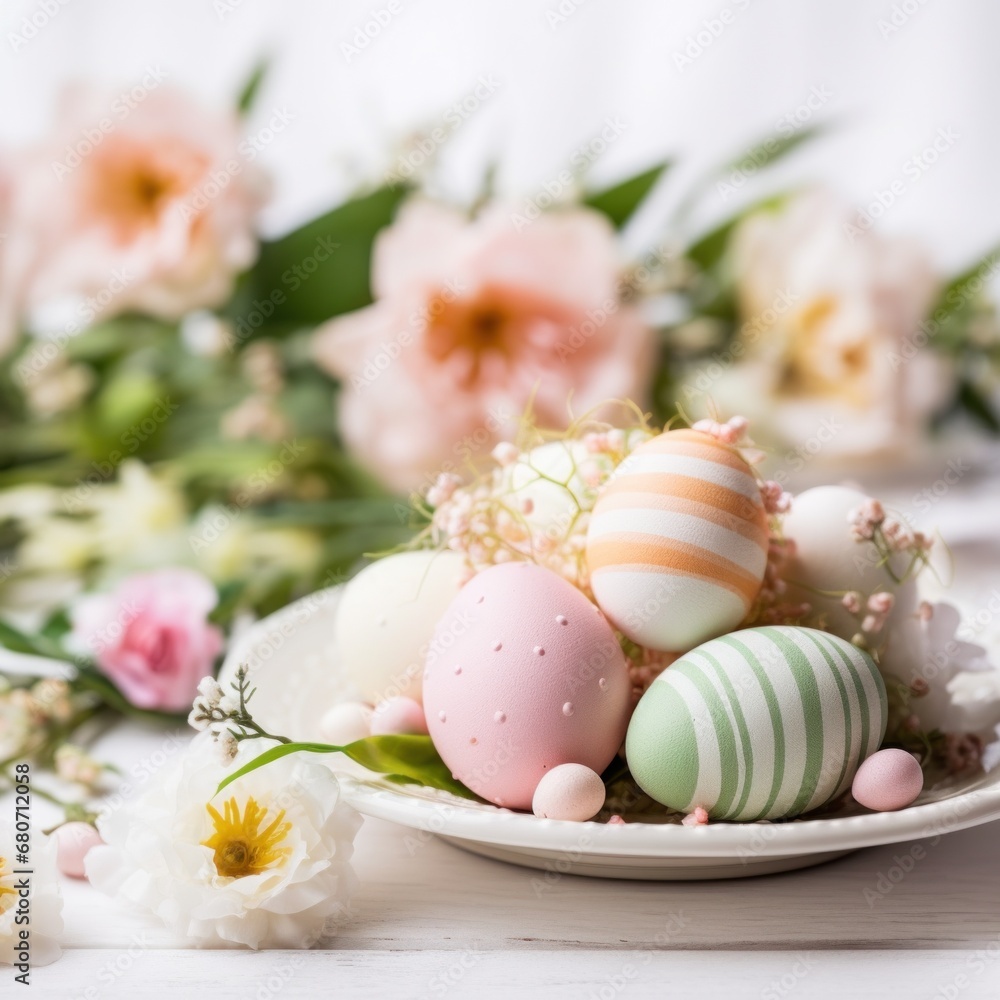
(242, 845)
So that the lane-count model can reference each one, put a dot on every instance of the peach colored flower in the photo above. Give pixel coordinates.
(824, 354)
(144, 205)
(151, 636)
(474, 320)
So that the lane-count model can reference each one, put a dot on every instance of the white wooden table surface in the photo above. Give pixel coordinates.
(431, 920)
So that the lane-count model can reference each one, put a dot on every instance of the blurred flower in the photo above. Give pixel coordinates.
(147, 207)
(963, 694)
(151, 636)
(472, 321)
(234, 545)
(46, 900)
(827, 317)
(16, 724)
(73, 763)
(257, 416)
(137, 517)
(57, 545)
(58, 387)
(265, 864)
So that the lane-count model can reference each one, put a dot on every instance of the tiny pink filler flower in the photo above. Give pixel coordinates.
(151, 636)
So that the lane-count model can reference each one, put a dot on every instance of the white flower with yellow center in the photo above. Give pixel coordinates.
(265, 863)
(44, 905)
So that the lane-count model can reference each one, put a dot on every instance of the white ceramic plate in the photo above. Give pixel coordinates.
(293, 663)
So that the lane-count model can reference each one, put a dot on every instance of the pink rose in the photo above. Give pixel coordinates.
(144, 205)
(474, 320)
(151, 636)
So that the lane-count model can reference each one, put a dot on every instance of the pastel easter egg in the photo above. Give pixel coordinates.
(548, 484)
(346, 722)
(888, 780)
(829, 561)
(73, 843)
(765, 723)
(524, 674)
(399, 715)
(569, 791)
(677, 543)
(386, 619)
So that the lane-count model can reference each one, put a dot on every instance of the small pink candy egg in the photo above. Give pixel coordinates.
(346, 722)
(397, 717)
(569, 791)
(73, 841)
(889, 779)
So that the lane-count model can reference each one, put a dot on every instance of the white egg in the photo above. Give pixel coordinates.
(828, 558)
(346, 722)
(550, 478)
(569, 791)
(387, 617)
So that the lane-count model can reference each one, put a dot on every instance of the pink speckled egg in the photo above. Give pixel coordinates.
(889, 779)
(569, 791)
(523, 674)
(398, 716)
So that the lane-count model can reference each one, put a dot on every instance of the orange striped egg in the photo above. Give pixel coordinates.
(677, 542)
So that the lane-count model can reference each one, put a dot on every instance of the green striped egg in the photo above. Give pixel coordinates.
(764, 723)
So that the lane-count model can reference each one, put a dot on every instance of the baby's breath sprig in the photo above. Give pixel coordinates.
(226, 715)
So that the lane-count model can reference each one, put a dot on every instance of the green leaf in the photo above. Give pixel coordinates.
(318, 271)
(249, 92)
(92, 680)
(959, 295)
(404, 759)
(977, 406)
(620, 202)
(709, 249)
(32, 645)
(772, 149)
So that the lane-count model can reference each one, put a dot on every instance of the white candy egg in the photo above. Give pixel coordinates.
(828, 558)
(569, 791)
(346, 722)
(387, 617)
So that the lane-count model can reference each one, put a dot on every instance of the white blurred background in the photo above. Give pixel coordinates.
(891, 75)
